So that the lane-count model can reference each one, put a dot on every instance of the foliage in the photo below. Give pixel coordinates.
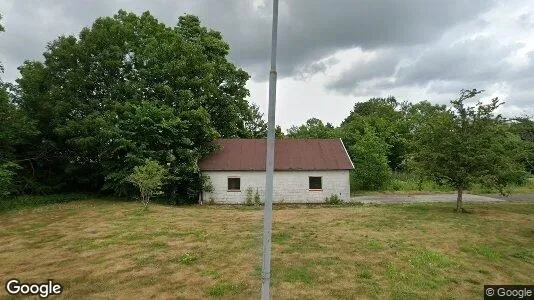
(387, 119)
(207, 185)
(334, 200)
(255, 126)
(312, 129)
(7, 178)
(465, 144)
(130, 88)
(28, 201)
(251, 197)
(524, 127)
(257, 199)
(278, 133)
(16, 128)
(149, 179)
(369, 156)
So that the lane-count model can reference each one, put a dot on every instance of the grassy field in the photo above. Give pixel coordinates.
(107, 249)
(406, 183)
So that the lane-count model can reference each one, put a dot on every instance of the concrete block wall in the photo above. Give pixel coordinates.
(289, 186)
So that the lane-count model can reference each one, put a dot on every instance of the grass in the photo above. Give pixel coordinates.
(104, 249)
(21, 202)
(406, 183)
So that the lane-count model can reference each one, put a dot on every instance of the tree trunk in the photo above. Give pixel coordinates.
(459, 203)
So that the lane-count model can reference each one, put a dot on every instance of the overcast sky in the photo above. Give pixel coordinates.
(332, 53)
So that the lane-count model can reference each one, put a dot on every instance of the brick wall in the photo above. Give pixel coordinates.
(289, 186)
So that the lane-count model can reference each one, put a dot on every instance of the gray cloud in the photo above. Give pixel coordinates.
(419, 47)
(481, 58)
(381, 66)
(309, 29)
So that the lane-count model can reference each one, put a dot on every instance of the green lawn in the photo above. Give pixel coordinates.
(106, 249)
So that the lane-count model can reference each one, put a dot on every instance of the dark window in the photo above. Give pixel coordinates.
(316, 183)
(234, 184)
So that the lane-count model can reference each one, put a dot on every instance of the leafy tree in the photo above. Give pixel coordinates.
(369, 156)
(15, 130)
(130, 66)
(524, 127)
(148, 178)
(312, 129)
(386, 118)
(467, 144)
(278, 133)
(255, 126)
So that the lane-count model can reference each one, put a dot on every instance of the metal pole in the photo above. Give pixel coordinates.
(269, 165)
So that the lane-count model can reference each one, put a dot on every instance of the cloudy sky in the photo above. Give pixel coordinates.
(332, 53)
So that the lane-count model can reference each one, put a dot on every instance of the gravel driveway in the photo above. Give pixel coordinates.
(445, 197)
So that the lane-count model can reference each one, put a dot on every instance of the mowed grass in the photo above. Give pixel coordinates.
(106, 249)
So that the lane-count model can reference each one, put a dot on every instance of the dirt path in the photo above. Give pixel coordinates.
(446, 197)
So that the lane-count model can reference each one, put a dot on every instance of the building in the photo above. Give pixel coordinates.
(306, 170)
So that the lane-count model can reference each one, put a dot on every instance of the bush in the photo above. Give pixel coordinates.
(7, 178)
(371, 170)
(149, 178)
(333, 200)
(257, 199)
(249, 196)
(252, 198)
(27, 201)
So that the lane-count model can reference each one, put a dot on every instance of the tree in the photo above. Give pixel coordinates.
(387, 119)
(312, 129)
(369, 156)
(467, 144)
(126, 66)
(278, 133)
(148, 178)
(255, 126)
(524, 127)
(15, 131)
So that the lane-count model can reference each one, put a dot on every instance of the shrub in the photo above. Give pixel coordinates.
(249, 196)
(334, 200)
(149, 178)
(369, 155)
(257, 199)
(207, 185)
(7, 178)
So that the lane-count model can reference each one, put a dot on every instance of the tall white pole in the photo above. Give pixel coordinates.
(269, 164)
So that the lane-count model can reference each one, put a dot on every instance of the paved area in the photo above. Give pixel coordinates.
(384, 198)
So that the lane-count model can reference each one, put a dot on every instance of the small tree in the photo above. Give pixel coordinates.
(7, 178)
(149, 178)
(369, 155)
(466, 145)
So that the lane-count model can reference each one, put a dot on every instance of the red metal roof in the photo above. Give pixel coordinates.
(290, 154)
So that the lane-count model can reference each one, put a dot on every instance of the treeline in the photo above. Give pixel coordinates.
(126, 90)
(453, 145)
(131, 90)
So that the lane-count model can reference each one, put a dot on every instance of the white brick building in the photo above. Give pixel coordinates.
(306, 171)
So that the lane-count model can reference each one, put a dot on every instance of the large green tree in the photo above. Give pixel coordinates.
(386, 118)
(116, 76)
(468, 144)
(15, 130)
(524, 127)
(369, 156)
